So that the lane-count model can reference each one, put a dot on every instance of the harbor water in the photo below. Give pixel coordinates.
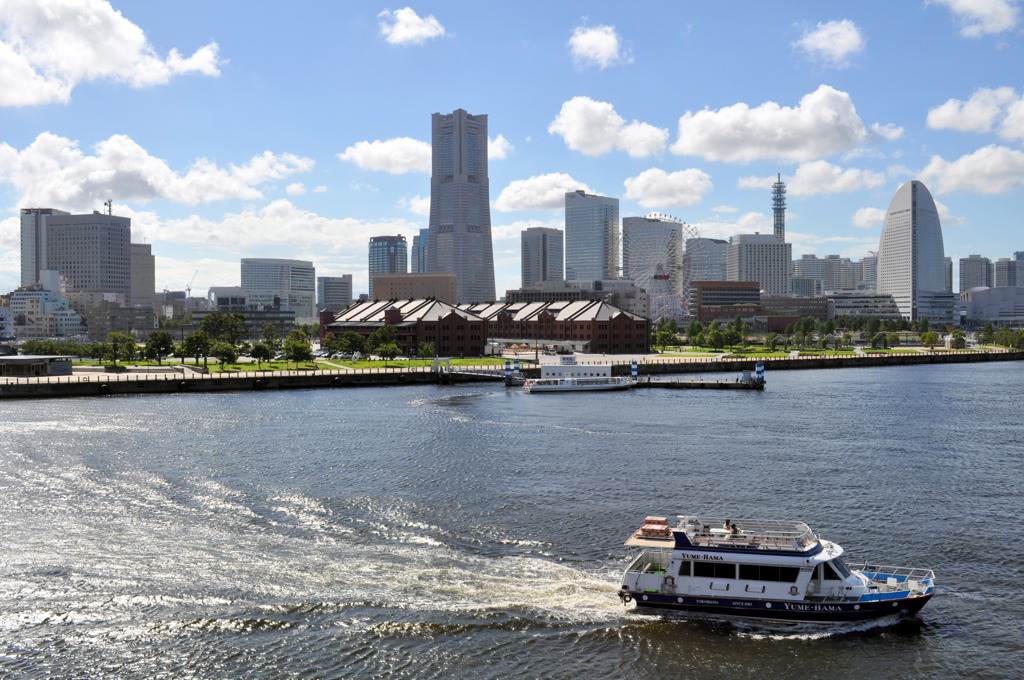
(476, 531)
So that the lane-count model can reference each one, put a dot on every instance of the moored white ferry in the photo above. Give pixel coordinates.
(568, 376)
(762, 569)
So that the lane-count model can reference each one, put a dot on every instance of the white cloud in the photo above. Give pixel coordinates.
(989, 170)
(725, 209)
(598, 46)
(821, 177)
(978, 18)
(49, 47)
(405, 27)
(824, 122)
(514, 230)
(396, 156)
(540, 192)
(868, 218)
(295, 189)
(654, 188)
(984, 110)
(320, 189)
(888, 132)
(754, 182)
(594, 128)
(832, 43)
(417, 205)
(748, 223)
(499, 148)
(54, 171)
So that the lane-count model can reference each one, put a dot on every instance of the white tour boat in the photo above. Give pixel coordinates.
(569, 376)
(762, 569)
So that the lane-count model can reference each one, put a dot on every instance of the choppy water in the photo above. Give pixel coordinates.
(474, 531)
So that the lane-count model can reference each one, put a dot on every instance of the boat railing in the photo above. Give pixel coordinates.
(764, 534)
(895, 579)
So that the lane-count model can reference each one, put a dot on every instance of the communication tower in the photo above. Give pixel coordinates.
(779, 208)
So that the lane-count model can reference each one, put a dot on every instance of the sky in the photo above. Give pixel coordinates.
(249, 128)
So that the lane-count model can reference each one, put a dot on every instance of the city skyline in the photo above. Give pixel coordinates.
(188, 119)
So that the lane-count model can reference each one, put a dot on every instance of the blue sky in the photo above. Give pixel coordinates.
(262, 129)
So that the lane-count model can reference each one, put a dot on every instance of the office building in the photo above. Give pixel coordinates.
(388, 255)
(434, 285)
(591, 237)
(418, 253)
(542, 249)
(910, 253)
(33, 242)
(91, 252)
(762, 258)
(1007, 273)
(460, 212)
(333, 293)
(143, 275)
(975, 272)
(288, 285)
(704, 259)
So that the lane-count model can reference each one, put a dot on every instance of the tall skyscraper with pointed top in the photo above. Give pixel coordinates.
(460, 211)
(911, 260)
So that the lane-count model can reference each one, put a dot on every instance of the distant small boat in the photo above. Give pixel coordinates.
(570, 384)
(763, 569)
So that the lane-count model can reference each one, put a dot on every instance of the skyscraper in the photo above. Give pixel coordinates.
(418, 253)
(762, 258)
(33, 242)
(704, 259)
(542, 249)
(388, 255)
(290, 284)
(91, 252)
(591, 237)
(975, 272)
(334, 293)
(910, 252)
(460, 212)
(143, 275)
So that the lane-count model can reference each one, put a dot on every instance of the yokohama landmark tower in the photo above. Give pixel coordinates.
(459, 240)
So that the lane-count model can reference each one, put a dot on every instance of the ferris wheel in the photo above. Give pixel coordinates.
(655, 251)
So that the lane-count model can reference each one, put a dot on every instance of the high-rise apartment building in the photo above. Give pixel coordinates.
(288, 285)
(910, 252)
(91, 252)
(591, 237)
(1007, 273)
(542, 249)
(143, 275)
(33, 242)
(388, 255)
(762, 258)
(460, 212)
(975, 272)
(333, 293)
(418, 253)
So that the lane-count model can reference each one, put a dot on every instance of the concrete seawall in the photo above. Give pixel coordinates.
(143, 383)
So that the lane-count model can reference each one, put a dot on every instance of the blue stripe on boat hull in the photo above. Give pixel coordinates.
(807, 612)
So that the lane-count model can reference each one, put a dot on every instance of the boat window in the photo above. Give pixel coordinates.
(684, 568)
(761, 572)
(714, 570)
(828, 573)
(841, 567)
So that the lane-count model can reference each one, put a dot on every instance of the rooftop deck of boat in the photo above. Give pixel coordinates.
(715, 532)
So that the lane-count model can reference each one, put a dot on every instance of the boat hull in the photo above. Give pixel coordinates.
(781, 610)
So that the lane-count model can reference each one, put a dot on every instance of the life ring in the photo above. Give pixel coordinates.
(626, 598)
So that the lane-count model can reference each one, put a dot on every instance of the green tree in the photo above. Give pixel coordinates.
(389, 350)
(271, 336)
(699, 339)
(664, 337)
(828, 328)
(225, 352)
(331, 344)
(930, 338)
(693, 329)
(352, 342)
(159, 345)
(297, 348)
(924, 326)
(426, 350)
(958, 340)
(226, 327)
(893, 339)
(197, 345)
(872, 327)
(382, 336)
(261, 352)
(715, 339)
(120, 347)
(771, 341)
(731, 337)
(987, 334)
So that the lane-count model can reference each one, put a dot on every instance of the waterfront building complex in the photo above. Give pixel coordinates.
(911, 264)
(288, 285)
(459, 239)
(542, 253)
(388, 255)
(591, 237)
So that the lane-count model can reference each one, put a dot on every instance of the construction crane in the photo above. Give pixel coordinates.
(188, 288)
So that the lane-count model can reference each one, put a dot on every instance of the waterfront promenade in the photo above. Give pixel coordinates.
(171, 379)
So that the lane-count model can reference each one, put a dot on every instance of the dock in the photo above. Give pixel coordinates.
(697, 384)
